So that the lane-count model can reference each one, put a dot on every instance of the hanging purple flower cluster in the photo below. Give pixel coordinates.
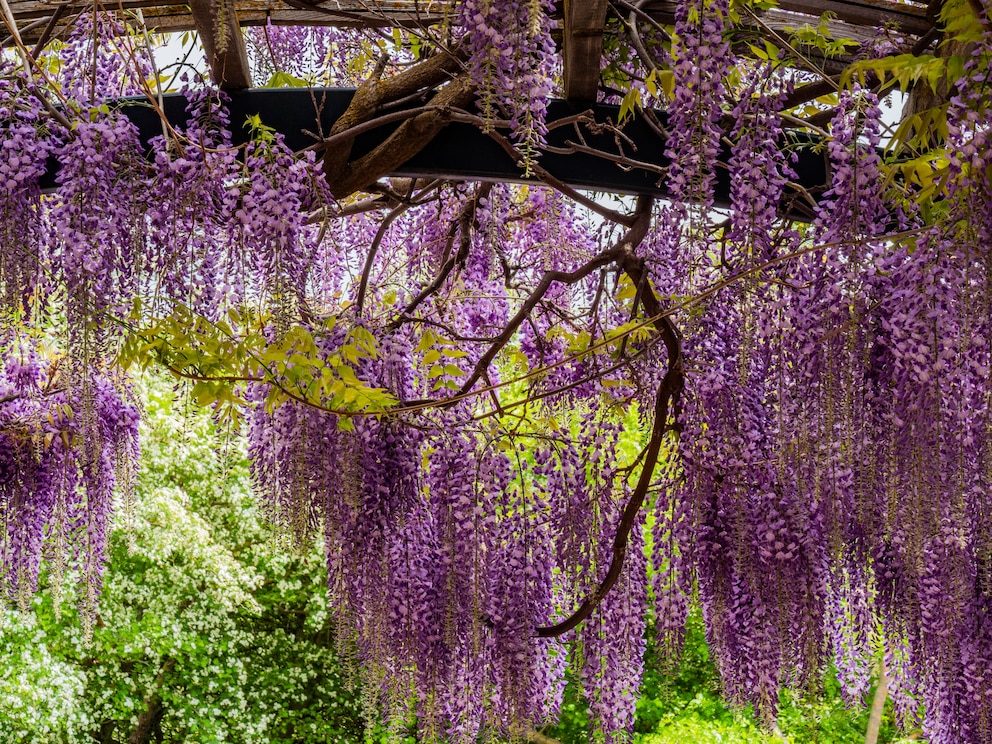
(700, 61)
(192, 198)
(613, 639)
(441, 565)
(854, 206)
(271, 248)
(315, 53)
(826, 496)
(758, 167)
(511, 62)
(28, 139)
(834, 481)
(97, 228)
(57, 480)
(102, 60)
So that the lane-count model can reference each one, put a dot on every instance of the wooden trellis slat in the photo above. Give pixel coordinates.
(910, 18)
(583, 22)
(172, 16)
(223, 44)
(583, 47)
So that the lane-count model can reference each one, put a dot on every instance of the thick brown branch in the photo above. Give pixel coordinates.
(374, 94)
(408, 139)
(223, 44)
(806, 93)
(373, 250)
(46, 35)
(463, 227)
(152, 714)
(639, 227)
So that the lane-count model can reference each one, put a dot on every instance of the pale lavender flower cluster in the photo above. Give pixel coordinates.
(97, 221)
(511, 61)
(700, 60)
(56, 480)
(29, 138)
(854, 205)
(192, 197)
(101, 60)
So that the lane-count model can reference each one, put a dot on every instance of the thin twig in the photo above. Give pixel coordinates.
(373, 250)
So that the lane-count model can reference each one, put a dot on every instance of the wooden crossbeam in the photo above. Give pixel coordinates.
(217, 24)
(861, 17)
(583, 46)
(909, 17)
(463, 152)
(171, 15)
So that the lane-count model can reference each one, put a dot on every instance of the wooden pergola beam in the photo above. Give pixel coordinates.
(461, 151)
(584, 24)
(908, 17)
(217, 24)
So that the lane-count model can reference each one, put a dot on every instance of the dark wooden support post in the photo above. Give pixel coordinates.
(584, 23)
(219, 30)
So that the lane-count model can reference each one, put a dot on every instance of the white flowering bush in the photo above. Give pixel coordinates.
(208, 630)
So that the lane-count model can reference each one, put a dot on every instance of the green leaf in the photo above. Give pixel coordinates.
(630, 103)
(282, 79)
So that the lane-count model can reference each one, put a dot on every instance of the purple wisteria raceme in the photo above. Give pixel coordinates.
(57, 478)
(28, 139)
(700, 60)
(314, 53)
(511, 62)
(527, 686)
(613, 639)
(101, 60)
(99, 221)
(271, 247)
(758, 167)
(192, 198)
(98, 224)
(854, 206)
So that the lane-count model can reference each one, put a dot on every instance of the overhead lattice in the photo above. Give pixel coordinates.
(582, 23)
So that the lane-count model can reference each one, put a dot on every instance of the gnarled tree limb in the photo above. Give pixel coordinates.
(666, 403)
(345, 178)
(367, 103)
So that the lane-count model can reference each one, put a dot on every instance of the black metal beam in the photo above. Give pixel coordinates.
(463, 152)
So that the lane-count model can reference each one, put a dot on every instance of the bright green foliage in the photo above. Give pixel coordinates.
(685, 705)
(207, 628)
(220, 357)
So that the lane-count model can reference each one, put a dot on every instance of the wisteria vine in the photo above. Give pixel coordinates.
(529, 429)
